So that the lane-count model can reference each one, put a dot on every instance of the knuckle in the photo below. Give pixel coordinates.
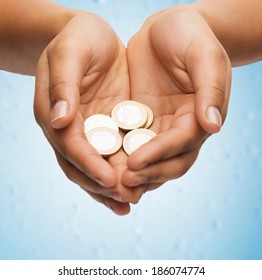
(190, 143)
(160, 146)
(65, 147)
(155, 177)
(69, 172)
(215, 51)
(217, 93)
(62, 46)
(63, 151)
(135, 199)
(86, 161)
(193, 135)
(186, 163)
(57, 87)
(214, 92)
(181, 170)
(218, 89)
(57, 84)
(69, 175)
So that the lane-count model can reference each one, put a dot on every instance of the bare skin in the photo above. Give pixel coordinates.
(179, 64)
(95, 82)
(181, 78)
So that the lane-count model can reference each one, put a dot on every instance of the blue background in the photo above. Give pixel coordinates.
(213, 212)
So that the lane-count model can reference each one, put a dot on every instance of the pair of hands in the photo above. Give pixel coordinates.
(174, 64)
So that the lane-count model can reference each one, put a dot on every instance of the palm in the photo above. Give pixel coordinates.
(171, 99)
(100, 94)
(168, 90)
(98, 69)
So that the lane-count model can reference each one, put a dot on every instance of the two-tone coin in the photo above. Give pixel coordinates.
(136, 138)
(129, 115)
(100, 120)
(150, 117)
(105, 140)
(102, 133)
(102, 130)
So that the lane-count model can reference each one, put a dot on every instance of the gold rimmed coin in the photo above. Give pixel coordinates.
(129, 115)
(136, 138)
(100, 120)
(105, 140)
(150, 117)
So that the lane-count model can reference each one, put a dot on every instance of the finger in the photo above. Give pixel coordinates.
(95, 190)
(161, 172)
(70, 142)
(79, 178)
(153, 187)
(121, 193)
(67, 66)
(210, 70)
(184, 136)
(140, 190)
(117, 207)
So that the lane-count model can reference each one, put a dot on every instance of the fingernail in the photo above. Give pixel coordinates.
(99, 181)
(214, 116)
(117, 197)
(59, 111)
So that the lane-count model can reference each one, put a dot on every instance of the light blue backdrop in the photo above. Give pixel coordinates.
(213, 212)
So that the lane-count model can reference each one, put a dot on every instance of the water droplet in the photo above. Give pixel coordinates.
(250, 116)
(12, 190)
(100, 250)
(258, 213)
(138, 232)
(176, 247)
(217, 225)
(23, 226)
(238, 178)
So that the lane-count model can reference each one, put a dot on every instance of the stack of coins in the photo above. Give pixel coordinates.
(102, 131)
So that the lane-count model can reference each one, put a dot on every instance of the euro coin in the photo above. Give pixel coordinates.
(105, 140)
(136, 138)
(150, 117)
(100, 120)
(129, 115)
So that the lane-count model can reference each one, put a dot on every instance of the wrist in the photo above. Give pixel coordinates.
(214, 22)
(242, 42)
(26, 29)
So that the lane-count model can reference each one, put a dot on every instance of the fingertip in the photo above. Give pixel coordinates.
(120, 209)
(108, 181)
(60, 115)
(210, 119)
(137, 160)
(126, 178)
(105, 174)
(132, 179)
(215, 120)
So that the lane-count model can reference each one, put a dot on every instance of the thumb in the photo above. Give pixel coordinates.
(66, 70)
(211, 77)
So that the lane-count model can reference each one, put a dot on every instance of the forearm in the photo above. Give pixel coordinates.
(238, 26)
(26, 27)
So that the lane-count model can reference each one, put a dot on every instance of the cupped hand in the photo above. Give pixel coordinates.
(178, 68)
(83, 71)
